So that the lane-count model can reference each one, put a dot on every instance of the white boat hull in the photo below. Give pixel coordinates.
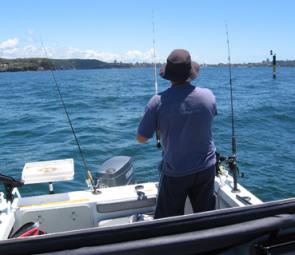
(110, 206)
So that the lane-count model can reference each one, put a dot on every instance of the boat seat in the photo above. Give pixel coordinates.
(57, 218)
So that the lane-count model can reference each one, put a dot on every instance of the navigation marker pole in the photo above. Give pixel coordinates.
(274, 65)
(89, 178)
(158, 144)
(232, 160)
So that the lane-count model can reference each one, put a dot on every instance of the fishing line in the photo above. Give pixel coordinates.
(231, 94)
(154, 57)
(158, 140)
(232, 158)
(89, 179)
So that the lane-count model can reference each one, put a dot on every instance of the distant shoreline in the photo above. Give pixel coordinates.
(42, 64)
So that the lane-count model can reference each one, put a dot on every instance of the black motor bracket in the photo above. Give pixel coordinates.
(9, 184)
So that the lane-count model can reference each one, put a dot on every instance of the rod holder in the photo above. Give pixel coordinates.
(232, 163)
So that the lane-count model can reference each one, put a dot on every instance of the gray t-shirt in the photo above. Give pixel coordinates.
(184, 116)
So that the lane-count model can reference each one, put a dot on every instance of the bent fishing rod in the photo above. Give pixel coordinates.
(158, 140)
(232, 160)
(89, 178)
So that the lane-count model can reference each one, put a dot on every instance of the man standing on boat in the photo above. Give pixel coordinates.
(183, 116)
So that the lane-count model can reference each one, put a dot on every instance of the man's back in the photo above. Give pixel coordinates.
(185, 115)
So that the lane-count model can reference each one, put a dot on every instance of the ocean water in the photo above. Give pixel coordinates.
(105, 107)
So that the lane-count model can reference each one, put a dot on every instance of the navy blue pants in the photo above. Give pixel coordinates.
(173, 191)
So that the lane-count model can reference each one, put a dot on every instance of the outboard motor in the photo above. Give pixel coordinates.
(116, 171)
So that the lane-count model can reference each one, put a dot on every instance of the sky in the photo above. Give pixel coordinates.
(122, 30)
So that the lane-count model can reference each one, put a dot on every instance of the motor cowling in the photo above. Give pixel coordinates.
(116, 171)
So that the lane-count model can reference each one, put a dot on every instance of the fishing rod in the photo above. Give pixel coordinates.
(89, 178)
(158, 140)
(232, 160)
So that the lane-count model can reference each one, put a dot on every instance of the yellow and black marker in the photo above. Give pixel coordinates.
(274, 65)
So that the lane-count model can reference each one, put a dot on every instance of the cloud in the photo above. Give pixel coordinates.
(10, 43)
(129, 56)
(138, 56)
(11, 48)
(30, 36)
(134, 54)
(87, 54)
(30, 32)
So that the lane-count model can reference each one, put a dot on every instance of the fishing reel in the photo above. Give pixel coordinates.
(230, 161)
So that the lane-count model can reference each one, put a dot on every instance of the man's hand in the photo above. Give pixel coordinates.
(141, 139)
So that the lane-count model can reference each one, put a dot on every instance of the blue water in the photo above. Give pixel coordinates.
(106, 105)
